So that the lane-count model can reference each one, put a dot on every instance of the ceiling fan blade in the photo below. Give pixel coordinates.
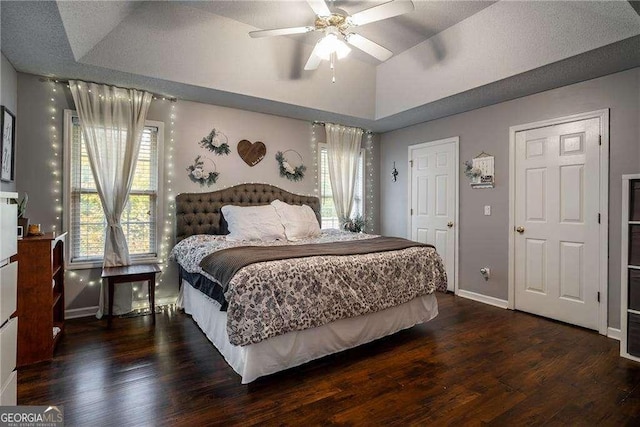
(384, 11)
(280, 32)
(367, 46)
(314, 59)
(319, 7)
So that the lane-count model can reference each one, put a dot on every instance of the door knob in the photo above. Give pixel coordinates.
(450, 224)
(520, 229)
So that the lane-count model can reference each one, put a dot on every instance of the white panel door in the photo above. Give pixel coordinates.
(433, 199)
(557, 244)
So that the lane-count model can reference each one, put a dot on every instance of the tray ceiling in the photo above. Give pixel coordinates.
(200, 50)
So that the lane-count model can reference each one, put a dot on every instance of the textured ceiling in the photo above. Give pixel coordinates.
(201, 51)
(86, 23)
(396, 34)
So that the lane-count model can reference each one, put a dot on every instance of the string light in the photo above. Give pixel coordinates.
(55, 164)
(169, 216)
(314, 156)
(56, 170)
(370, 183)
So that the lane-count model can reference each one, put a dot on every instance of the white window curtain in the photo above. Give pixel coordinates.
(343, 152)
(112, 120)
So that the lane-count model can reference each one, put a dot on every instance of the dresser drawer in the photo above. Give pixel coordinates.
(8, 230)
(8, 290)
(8, 349)
(9, 392)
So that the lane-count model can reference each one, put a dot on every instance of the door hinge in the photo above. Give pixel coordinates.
(599, 139)
(411, 163)
(411, 211)
(598, 296)
(598, 218)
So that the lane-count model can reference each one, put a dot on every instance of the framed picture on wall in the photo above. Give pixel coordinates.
(7, 147)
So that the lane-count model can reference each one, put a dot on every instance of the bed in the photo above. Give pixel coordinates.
(272, 314)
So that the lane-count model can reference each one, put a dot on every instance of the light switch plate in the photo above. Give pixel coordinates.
(487, 210)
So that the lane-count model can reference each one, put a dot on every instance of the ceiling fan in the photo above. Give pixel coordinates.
(337, 27)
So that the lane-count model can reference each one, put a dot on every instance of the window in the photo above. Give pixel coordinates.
(85, 219)
(327, 208)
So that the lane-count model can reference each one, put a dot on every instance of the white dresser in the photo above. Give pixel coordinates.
(8, 299)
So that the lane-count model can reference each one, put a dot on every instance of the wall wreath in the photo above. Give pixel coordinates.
(286, 169)
(216, 142)
(201, 175)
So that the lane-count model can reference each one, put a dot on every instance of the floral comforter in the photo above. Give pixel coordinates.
(275, 297)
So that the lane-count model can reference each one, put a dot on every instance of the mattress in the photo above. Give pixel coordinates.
(271, 298)
(297, 347)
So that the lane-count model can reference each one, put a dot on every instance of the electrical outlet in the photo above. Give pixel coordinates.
(487, 210)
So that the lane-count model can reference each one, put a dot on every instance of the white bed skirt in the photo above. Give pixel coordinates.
(295, 348)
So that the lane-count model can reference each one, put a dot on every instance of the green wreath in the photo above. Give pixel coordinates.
(215, 136)
(288, 171)
(199, 175)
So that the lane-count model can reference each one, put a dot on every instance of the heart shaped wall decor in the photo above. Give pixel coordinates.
(251, 153)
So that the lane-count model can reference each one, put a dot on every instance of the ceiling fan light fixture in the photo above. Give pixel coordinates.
(332, 44)
(337, 36)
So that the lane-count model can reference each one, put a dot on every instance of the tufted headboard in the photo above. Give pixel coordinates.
(199, 213)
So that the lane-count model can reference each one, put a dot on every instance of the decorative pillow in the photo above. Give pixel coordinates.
(299, 221)
(253, 223)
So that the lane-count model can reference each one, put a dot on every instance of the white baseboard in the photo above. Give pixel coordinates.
(75, 313)
(496, 302)
(613, 333)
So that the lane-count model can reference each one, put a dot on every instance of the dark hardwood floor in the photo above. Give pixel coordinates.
(474, 364)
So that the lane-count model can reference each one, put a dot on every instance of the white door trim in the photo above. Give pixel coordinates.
(456, 227)
(603, 115)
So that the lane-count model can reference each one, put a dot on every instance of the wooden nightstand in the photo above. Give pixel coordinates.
(128, 274)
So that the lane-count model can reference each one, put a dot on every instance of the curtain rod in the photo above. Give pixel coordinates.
(317, 122)
(66, 82)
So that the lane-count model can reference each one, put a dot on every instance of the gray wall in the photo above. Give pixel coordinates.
(484, 239)
(41, 137)
(9, 98)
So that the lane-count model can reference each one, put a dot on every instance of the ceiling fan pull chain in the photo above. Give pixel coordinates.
(333, 67)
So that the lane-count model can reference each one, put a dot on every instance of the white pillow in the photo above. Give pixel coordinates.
(299, 221)
(253, 223)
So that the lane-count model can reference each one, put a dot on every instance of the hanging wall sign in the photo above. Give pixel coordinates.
(483, 165)
(251, 153)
